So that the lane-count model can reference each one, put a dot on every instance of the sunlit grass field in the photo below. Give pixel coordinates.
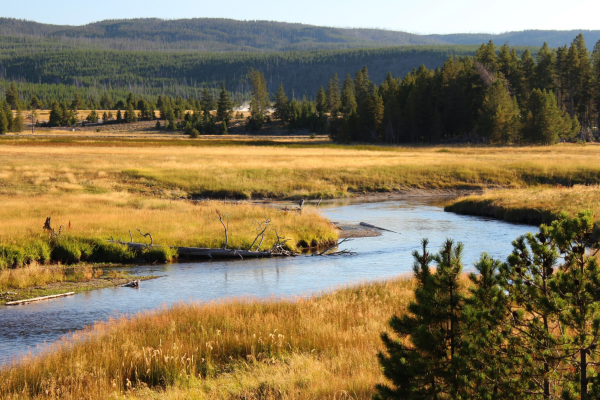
(306, 348)
(535, 204)
(249, 170)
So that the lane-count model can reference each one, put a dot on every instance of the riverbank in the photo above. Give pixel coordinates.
(536, 205)
(38, 281)
(315, 347)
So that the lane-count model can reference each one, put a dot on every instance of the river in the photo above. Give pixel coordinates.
(26, 328)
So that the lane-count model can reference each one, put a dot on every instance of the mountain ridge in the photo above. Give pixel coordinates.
(222, 34)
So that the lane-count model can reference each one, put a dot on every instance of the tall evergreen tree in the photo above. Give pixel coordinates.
(3, 121)
(333, 96)
(427, 364)
(207, 103)
(348, 99)
(486, 55)
(106, 101)
(12, 96)
(259, 99)
(544, 123)
(544, 69)
(321, 102)
(499, 116)
(596, 81)
(224, 106)
(281, 105)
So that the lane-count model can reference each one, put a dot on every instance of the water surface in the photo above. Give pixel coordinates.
(24, 328)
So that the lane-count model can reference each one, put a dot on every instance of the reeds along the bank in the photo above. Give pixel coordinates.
(313, 347)
(36, 274)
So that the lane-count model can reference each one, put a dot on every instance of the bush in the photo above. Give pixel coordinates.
(111, 252)
(194, 133)
(11, 256)
(38, 250)
(159, 253)
(66, 250)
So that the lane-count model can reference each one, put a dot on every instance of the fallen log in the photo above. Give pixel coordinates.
(377, 227)
(204, 252)
(133, 284)
(54, 296)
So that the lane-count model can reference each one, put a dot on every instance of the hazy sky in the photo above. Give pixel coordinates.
(434, 16)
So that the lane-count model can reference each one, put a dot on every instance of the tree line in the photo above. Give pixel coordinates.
(527, 328)
(495, 97)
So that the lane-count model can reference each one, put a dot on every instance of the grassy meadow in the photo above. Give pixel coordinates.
(247, 169)
(533, 205)
(306, 348)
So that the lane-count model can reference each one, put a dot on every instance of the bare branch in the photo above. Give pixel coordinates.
(146, 235)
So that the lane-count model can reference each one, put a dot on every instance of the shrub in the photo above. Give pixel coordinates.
(194, 133)
(38, 250)
(11, 256)
(159, 253)
(66, 250)
(111, 252)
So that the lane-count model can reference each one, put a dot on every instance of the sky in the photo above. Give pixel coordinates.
(414, 16)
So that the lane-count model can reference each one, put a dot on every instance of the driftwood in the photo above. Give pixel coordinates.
(48, 228)
(226, 227)
(54, 296)
(337, 253)
(200, 252)
(133, 284)
(376, 227)
(144, 235)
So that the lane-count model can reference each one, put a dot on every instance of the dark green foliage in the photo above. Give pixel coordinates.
(425, 362)
(525, 329)
(543, 121)
(3, 121)
(281, 105)
(11, 256)
(107, 252)
(224, 107)
(159, 254)
(499, 115)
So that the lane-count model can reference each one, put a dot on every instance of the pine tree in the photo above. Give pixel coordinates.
(578, 286)
(35, 103)
(12, 96)
(207, 103)
(223, 128)
(426, 364)
(3, 122)
(528, 277)
(499, 116)
(333, 96)
(119, 116)
(106, 101)
(543, 123)
(321, 102)
(56, 114)
(527, 75)
(224, 107)
(281, 105)
(486, 55)
(76, 103)
(596, 81)
(544, 70)
(259, 99)
(348, 100)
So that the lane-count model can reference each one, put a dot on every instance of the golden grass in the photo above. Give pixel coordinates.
(41, 275)
(535, 204)
(168, 167)
(171, 222)
(317, 347)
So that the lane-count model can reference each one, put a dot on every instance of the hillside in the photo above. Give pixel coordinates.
(56, 74)
(213, 34)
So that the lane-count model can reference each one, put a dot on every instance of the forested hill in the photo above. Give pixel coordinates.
(57, 74)
(211, 34)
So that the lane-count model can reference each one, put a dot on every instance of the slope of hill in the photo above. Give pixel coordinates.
(214, 34)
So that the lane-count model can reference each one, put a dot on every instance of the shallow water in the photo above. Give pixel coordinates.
(24, 328)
